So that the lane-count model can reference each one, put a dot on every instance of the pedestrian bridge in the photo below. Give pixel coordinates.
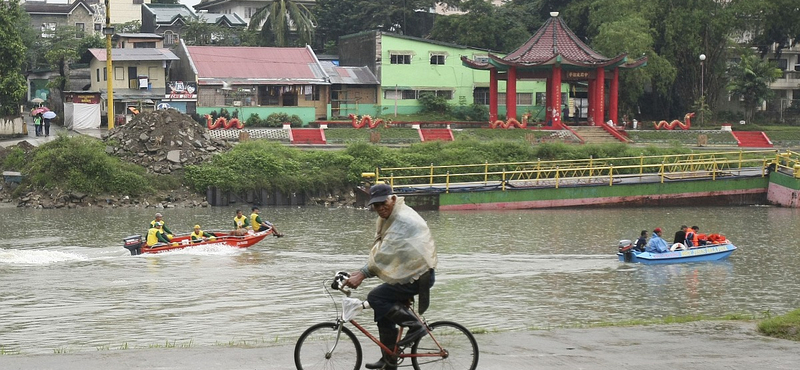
(643, 178)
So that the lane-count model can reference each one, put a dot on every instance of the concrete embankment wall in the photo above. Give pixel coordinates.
(730, 191)
(783, 190)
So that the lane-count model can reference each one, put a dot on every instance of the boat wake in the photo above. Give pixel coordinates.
(37, 257)
(216, 249)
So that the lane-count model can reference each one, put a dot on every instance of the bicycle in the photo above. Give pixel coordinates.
(332, 345)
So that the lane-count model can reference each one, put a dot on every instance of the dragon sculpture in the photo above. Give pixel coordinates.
(366, 120)
(511, 122)
(676, 123)
(221, 122)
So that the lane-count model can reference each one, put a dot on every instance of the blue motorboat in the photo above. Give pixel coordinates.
(709, 252)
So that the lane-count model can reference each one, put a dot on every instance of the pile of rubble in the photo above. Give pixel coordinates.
(163, 141)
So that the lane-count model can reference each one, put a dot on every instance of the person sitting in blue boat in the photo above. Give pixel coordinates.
(641, 242)
(199, 235)
(656, 243)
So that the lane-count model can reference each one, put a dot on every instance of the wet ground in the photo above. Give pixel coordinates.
(705, 345)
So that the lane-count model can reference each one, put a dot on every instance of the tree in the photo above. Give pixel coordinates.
(279, 19)
(774, 22)
(12, 82)
(343, 17)
(750, 79)
(65, 46)
(483, 26)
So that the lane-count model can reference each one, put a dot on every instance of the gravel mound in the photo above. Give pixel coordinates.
(163, 141)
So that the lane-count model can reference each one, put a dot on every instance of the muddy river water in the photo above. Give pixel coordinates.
(67, 285)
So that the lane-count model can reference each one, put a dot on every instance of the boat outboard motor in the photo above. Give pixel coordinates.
(626, 248)
(134, 244)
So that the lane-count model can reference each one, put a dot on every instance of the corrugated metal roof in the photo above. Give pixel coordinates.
(255, 65)
(133, 54)
(232, 19)
(349, 75)
(167, 13)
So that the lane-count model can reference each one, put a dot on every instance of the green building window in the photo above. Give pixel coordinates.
(401, 58)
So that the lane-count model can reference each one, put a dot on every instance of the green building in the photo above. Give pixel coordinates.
(409, 66)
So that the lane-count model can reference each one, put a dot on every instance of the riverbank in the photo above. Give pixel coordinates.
(703, 345)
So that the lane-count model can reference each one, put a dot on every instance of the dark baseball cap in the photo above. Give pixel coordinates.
(379, 193)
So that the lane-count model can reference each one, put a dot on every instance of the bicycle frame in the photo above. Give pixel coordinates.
(397, 352)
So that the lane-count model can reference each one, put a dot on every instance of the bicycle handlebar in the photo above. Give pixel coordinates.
(340, 281)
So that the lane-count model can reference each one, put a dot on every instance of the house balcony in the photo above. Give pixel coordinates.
(789, 81)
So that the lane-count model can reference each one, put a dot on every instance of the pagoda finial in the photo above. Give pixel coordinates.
(554, 14)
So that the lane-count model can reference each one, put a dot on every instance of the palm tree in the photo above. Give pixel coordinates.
(750, 79)
(280, 18)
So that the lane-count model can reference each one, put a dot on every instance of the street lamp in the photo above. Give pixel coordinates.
(702, 89)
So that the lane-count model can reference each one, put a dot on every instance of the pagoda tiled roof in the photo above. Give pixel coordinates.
(553, 43)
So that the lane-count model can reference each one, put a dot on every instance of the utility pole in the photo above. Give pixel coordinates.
(108, 31)
(702, 89)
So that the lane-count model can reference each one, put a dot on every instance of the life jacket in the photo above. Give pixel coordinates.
(240, 221)
(198, 237)
(256, 225)
(152, 236)
(717, 238)
(691, 238)
(695, 239)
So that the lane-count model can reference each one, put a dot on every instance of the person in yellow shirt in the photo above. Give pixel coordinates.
(156, 235)
(199, 235)
(260, 225)
(159, 218)
(241, 224)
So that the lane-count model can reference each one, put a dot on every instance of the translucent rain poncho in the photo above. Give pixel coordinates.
(404, 248)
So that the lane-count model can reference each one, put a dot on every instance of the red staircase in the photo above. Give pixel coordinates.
(431, 134)
(307, 136)
(752, 139)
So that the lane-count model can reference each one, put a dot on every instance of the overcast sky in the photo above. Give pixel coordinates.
(190, 3)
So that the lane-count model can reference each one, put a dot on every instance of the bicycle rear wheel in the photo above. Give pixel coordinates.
(459, 344)
(313, 349)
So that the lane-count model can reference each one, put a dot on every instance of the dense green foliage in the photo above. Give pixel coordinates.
(750, 81)
(81, 164)
(785, 327)
(260, 164)
(12, 82)
(484, 26)
(284, 23)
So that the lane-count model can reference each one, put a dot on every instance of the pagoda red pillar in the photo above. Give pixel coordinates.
(592, 106)
(613, 101)
(599, 96)
(493, 95)
(556, 80)
(548, 99)
(511, 94)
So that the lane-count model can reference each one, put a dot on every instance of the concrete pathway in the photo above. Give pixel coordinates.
(708, 345)
(55, 130)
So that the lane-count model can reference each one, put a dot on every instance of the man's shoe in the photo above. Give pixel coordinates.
(403, 317)
(381, 364)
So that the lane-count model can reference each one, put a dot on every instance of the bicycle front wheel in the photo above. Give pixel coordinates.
(459, 346)
(323, 347)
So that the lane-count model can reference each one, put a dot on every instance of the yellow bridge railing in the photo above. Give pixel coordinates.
(608, 171)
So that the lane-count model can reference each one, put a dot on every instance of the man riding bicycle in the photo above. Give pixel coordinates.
(404, 257)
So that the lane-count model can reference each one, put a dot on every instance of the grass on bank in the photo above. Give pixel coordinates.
(785, 326)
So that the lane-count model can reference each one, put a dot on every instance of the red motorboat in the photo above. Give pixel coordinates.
(136, 245)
